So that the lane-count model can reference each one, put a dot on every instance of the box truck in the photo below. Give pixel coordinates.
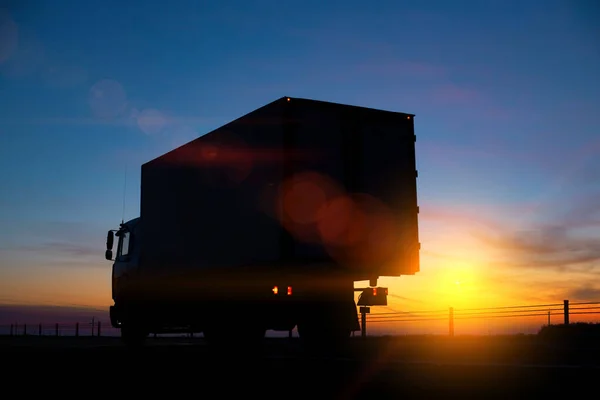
(267, 222)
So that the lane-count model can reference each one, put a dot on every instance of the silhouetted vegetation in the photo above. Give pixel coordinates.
(574, 331)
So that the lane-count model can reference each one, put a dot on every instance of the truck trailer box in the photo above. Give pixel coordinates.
(295, 183)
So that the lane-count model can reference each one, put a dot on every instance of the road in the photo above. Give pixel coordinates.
(399, 368)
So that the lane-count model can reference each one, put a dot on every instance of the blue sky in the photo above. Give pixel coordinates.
(506, 96)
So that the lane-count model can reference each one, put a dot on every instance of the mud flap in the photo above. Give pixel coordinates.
(353, 317)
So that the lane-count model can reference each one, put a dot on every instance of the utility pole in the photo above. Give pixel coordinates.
(451, 321)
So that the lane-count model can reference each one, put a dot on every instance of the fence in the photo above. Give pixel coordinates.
(93, 328)
(447, 320)
(529, 316)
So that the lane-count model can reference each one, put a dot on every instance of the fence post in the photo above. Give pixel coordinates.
(77, 329)
(363, 319)
(40, 330)
(24, 329)
(566, 307)
(11, 329)
(99, 329)
(451, 322)
(56, 329)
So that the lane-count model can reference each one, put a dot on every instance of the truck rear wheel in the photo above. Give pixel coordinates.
(326, 326)
(316, 333)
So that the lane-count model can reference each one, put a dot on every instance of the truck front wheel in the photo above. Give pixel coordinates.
(133, 336)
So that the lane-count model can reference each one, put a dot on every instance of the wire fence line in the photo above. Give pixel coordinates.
(527, 316)
(94, 328)
(564, 310)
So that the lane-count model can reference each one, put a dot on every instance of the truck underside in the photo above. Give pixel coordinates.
(322, 306)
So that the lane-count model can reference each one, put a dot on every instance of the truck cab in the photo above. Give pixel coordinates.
(125, 261)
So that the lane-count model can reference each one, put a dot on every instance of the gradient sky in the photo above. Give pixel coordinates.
(506, 96)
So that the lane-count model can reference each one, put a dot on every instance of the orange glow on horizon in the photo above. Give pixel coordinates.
(457, 270)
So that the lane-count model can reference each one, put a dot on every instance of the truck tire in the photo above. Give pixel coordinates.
(325, 327)
(133, 336)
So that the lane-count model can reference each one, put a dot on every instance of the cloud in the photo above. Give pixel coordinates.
(61, 75)
(406, 69)
(9, 36)
(60, 243)
(566, 240)
(450, 93)
(584, 213)
(333, 38)
(561, 234)
(584, 293)
(23, 54)
(545, 247)
(64, 249)
(50, 314)
(128, 121)
(472, 216)
(62, 121)
(26, 57)
(56, 254)
(61, 229)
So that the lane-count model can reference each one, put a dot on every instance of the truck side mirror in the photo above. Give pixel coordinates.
(110, 238)
(108, 255)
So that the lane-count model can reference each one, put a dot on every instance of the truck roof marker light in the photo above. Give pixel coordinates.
(275, 290)
(288, 99)
(289, 292)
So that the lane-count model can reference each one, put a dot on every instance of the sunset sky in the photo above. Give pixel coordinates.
(506, 96)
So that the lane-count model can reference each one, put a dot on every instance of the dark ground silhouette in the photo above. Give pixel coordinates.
(400, 367)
